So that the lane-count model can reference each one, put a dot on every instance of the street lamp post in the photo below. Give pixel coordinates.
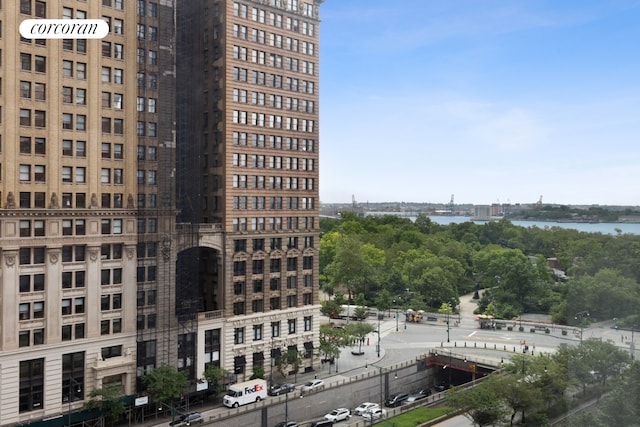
(632, 347)
(286, 408)
(581, 315)
(380, 377)
(172, 409)
(378, 345)
(450, 369)
(397, 318)
(448, 326)
(271, 364)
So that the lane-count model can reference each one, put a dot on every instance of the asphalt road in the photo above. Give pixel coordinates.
(401, 341)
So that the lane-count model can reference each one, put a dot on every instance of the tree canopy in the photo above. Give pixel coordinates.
(421, 265)
(165, 383)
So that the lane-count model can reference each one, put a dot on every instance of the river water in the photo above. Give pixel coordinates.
(601, 227)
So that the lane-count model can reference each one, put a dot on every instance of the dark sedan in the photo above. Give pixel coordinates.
(278, 389)
(396, 400)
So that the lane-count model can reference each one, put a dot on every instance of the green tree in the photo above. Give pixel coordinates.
(425, 225)
(328, 244)
(166, 383)
(331, 341)
(520, 395)
(591, 362)
(290, 361)
(383, 301)
(357, 331)
(433, 278)
(348, 265)
(258, 372)
(621, 408)
(361, 311)
(482, 404)
(330, 308)
(355, 265)
(606, 295)
(216, 376)
(108, 400)
(510, 273)
(339, 298)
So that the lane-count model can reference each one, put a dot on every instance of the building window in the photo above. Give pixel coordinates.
(257, 332)
(73, 377)
(81, 96)
(40, 64)
(292, 326)
(81, 70)
(292, 301)
(118, 51)
(238, 336)
(118, 126)
(25, 117)
(81, 122)
(118, 26)
(31, 387)
(106, 49)
(257, 306)
(238, 308)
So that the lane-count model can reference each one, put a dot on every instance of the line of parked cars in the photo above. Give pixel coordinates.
(367, 410)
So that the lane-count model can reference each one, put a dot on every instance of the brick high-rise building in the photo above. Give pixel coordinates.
(158, 196)
(248, 165)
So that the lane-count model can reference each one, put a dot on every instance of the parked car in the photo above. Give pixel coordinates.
(187, 420)
(442, 387)
(413, 398)
(278, 389)
(321, 423)
(365, 407)
(418, 395)
(287, 424)
(338, 415)
(396, 399)
(311, 386)
(424, 392)
(375, 414)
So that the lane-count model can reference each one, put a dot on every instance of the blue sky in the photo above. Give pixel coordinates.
(490, 100)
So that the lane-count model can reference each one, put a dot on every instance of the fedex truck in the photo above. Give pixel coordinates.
(246, 392)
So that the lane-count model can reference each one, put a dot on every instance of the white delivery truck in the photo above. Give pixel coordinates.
(246, 392)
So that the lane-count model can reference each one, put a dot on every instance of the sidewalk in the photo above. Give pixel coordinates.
(344, 367)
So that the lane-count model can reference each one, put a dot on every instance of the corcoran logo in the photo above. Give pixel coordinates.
(64, 29)
(255, 388)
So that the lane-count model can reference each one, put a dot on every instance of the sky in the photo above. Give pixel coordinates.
(492, 101)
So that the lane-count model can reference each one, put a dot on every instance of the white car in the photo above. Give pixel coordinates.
(375, 414)
(311, 386)
(338, 415)
(365, 407)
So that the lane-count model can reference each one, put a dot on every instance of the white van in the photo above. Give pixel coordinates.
(246, 392)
